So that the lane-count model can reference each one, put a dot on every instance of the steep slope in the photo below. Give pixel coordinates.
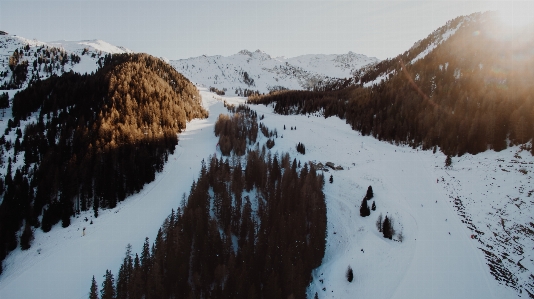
(425, 265)
(469, 93)
(464, 90)
(70, 150)
(23, 60)
(257, 71)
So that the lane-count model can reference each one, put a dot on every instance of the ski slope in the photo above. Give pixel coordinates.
(429, 263)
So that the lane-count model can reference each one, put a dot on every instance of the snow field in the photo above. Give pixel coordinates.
(430, 263)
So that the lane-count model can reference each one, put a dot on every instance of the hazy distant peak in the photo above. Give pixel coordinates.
(245, 52)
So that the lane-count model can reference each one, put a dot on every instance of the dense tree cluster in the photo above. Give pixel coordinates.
(218, 91)
(48, 60)
(255, 232)
(468, 95)
(97, 139)
(385, 226)
(301, 148)
(237, 131)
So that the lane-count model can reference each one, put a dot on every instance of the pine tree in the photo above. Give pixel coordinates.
(364, 208)
(93, 292)
(349, 274)
(108, 286)
(331, 179)
(27, 237)
(379, 222)
(373, 207)
(387, 228)
(448, 161)
(369, 193)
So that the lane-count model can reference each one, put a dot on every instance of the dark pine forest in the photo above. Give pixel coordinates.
(91, 141)
(252, 230)
(473, 92)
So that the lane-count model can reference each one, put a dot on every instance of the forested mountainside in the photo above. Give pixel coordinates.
(464, 94)
(23, 61)
(246, 231)
(78, 142)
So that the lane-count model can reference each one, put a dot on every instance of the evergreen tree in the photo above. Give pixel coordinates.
(93, 292)
(27, 237)
(108, 286)
(369, 193)
(331, 179)
(373, 207)
(448, 161)
(379, 222)
(349, 274)
(364, 208)
(387, 228)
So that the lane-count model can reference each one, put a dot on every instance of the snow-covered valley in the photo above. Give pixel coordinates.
(437, 258)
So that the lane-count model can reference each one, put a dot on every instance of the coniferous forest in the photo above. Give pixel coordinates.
(473, 92)
(91, 141)
(245, 231)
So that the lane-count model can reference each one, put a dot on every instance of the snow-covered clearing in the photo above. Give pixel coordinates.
(429, 263)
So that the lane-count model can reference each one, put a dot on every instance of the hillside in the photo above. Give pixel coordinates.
(401, 268)
(258, 71)
(23, 60)
(67, 148)
(464, 94)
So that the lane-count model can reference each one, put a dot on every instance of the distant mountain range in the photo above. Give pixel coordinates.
(260, 72)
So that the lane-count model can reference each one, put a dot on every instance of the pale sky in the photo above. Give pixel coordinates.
(183, 29)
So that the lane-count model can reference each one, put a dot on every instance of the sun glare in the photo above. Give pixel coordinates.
(517, 14)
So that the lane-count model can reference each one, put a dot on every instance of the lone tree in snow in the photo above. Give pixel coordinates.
(349, 274)
(93, 292)
(331, 179)
(373, 206)
(364, 208)
(387, 228)
(369, 193)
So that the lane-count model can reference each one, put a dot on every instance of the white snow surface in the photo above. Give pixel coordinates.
(92, 51)
(301, 72)
(429, 263)
(94, 45)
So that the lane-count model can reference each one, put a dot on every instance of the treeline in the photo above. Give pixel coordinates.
(42, 59)
(468, 95)
(249, 233)
(96, 139)
(237, 131)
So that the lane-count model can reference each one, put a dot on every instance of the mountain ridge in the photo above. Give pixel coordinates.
(259, 71)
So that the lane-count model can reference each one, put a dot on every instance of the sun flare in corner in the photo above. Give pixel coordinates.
(516, 13)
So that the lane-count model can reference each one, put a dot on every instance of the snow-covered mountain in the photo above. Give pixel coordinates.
(258, 71)
(37, 59)
(437, 258)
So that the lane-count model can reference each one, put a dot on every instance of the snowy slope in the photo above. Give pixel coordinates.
(429, 263)
(267, 73)
(89, 51)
